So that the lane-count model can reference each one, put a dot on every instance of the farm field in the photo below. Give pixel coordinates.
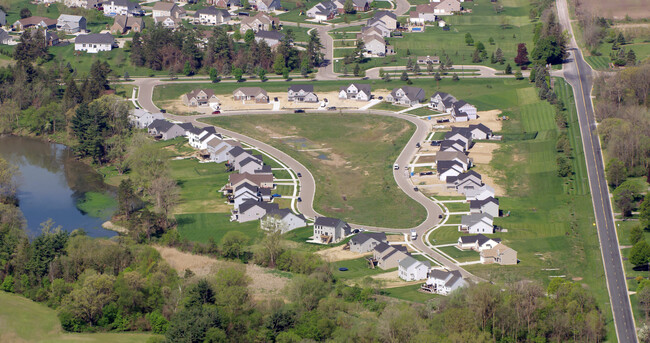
(350, 163)
(22, 320)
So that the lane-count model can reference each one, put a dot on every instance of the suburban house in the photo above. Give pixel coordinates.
(123, 23)
(446, 7)
(3, 18)
(5, 38)
(376, 26)
(259, 180)
(410, 269)
(461, 158)
(424, 13)
(252, 210)
(237, 154)
(94, 42)
(266, 5)
(198, 137)
(462, 111)
(480, 131)
(478, 193)
(219, 147)
(211, 16)
(225, 3)
(168, 9)
(442, 102)
(245, 192)
(50, 38)
(29, 22)
(256, 94)
(121, 7)
(356, 91)
(389, 18)
(330, 230)
(141, 119)
(406, 95)
(460, 135)
(453, 145)
(428, 60)
(374, 45)
(271, 38)
(302, 93)
(323, 11)
(71, 23)
(168, 22)
(444, 282)
(467, 178)
(359, 5)
(446, 169)
(165, 130)
(87, 4)
(200, 97)
(259, 22)
(366, 241)
(489, 205)
(476, 223)
(388, 256)
(251, 165)
(283, 219)
(478, 242)
(500, 254)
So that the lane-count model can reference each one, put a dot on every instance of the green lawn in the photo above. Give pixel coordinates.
(98, 205)
(460, 255)
(457, 206)
(200, 227)
(357, 268)
(26, 321)
(445, 235)
(385, 106)
(200, 184)
(409, 293)
(356, 168)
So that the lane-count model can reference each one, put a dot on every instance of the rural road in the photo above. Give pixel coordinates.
(308, 183)
(579, 74)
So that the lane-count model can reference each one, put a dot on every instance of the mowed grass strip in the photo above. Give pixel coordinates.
(26, 321)
(201, 227)
(460, 255)
(354, 179)
(357, 268)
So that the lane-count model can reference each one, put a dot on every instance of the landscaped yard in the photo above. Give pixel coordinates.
(357, 268)
(460, 255)
(409, 293)
(200, 227)
(26, 321)
(352, 167)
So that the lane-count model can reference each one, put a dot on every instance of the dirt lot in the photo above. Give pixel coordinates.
(392, 280)
(636, 9)
(481, 153)
(487, 118)
(262, 282)
(338, 254)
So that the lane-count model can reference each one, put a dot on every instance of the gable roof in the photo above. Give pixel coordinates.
(451, 156)
(363, 237)
(410, 261)
(250, 91)
(283, 213)
(480, 127)
(480, 238)
(381, 247)
(369, 38)
(256, 179)
(161, 125)
(212, 11)
(475, 218)
(236, 151)
(269, 35)
(364, 87)
(443, 166)
(95, 38)
(70, 18)
(464, 132)
(381, 14)
(248, 204)
(247, 186)
(163, 6)
(468, 174)
(35, 20)
(425, 8)
(480, 203)
(193, 93)
(412, 93)
(298, 88)
(328, 221)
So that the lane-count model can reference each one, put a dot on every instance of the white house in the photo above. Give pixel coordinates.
(5, 38)
(447, 169)
(267, 5)
(302, 93)
(71, 23)
(167, 9)
(271, 38)
(464, 136)
(378, 26)
(478, 242)
(252, 210)
(389, 18)
(410, 269)
(489, 205)
(356, 91)
(480, 131)
(94, 42)
(199, 137)
(453, 145)
(374, 45)
(442, 102)
(406, 95)
(323, 11)
(330, 230)
(141, 119)
(218, 148)
(211, 16)
(459, 157)
(481, 193)
(283, 219)
(477, 223)
(444, 282)
(121, 7)
(462, 111)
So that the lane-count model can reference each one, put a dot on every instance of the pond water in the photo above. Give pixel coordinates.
(51, 182)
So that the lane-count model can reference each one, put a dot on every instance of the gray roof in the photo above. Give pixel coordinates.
(381, 14)
(450, 144)
(409, 261)
(480, 238)
(474, 218)
(236, 151)
(481, 127)
(412, 93)
(124, 3)
(248, 204)
(459, 131)
(365, 236)
(248, 186)
(269, 35)
(450, 278)
(443, 166)
(283, 212)
(211, 11)
(306, 88)
(467, 174)
(161, 125)
(266, 169)
(381, 247)
(95, 38)
(251, 159)
(360, 86)
(327, 221)
(70, 18)
(186, 126)
(480, 203)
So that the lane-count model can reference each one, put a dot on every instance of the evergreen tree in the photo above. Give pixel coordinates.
(493, 59)
(72, 96)
(404, 76)
(357, 70)
(468, 39)
(249, 36)
(631, 57)
(508, 69)
(476, 58)
(499, 56)
(314, 47)
(214, 75)
(278, 64)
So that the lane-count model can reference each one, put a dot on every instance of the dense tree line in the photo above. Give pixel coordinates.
(548, 38)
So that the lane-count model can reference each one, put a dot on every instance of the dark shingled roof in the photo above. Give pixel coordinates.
(248, 204)
(211, 11)
(236, 151)
(95, 38)
(443, 166)
(283, 212)
(360, 86)
(306, 88)
(327, 221)
(480, 203)
(365, 236)
(269, 35)
(161, 125)
(480, 127)
(480, 238)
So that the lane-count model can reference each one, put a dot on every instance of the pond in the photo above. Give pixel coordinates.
(52, 184)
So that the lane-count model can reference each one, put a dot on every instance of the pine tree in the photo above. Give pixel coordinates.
(493, 59)
(278, 64)
(499, 56)
(508, 69)
(476, 58)
(404, 76)
(72, 96)
(314, 47)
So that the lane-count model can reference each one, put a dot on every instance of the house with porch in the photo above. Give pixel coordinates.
(410, 269)
(200, 97)
(302, 93)
(444, 282)
(256, 94)
(330, 230)
(356, 91)
(406, 95)
(366, 241)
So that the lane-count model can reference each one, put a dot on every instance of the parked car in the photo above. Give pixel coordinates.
(163, 111)
(381, 98)
(298, 111)
(415, 189)
(417, 145)
(299, 199)
(276, 195)
(355, 231)
(396, 166)
(216, 112)
(299, 175)
(331, 108)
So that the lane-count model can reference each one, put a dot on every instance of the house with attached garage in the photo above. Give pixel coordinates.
(271, 38)
(468, 178)
(199, 137)
(442, 102)
(250, 165)
(71, 23)
(388, 256)
(252, 210)
(259, 180)
(35, 21)
(356, 91)
(459, 157)
(323, 11)
(389, 18)
(302, 93)
(237, 154)
(374, 45)
(480, 193)
(94, 42)
(478, 242)
(168, 9)
(428, 60)
(245, 192)
(460, 135)
(165, 130)
(375, 26)
(282, 219)
(266, 5)
(122, 7)
(358, 5)
(87, 4)
(477, 223)
(446, 7)
(453, 145)
(122, 24)
(406, 95)
(462, 111)
(500, 254)
(410, 269)
(219, 147)
(168, 22)
(446, 169)
(489, 205)
(256, 94)
(259, 22)
(5, 38)
(425, 13)
(444, 282)
(141, 119)
(225, 3)
(330, 230)
(211, 16)
(366, 241)
(200, 97)
(480, 131)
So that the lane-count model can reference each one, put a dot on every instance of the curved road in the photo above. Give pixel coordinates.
(579, 74)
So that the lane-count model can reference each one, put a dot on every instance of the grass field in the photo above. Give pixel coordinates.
(445, 235)
(98, 205)
(385, 106)
(22, 320)
(355, 167)
(357, 268)
(409, 293)
(457, 206)
(200, 227)
(200, 184)
(460, 255)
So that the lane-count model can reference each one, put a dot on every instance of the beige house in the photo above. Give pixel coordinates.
(446, 7)
(260, 22)
(251, 93)
(388, 256)
(123, 23)
(500, 254)
(168, 9)
(200, 97)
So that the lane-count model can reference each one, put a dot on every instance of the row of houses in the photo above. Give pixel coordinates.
(376, 29)
(459, 110)
(329, 9)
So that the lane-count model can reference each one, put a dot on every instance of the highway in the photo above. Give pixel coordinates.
(579, 74)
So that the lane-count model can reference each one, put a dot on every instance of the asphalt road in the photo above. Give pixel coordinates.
(579, 74)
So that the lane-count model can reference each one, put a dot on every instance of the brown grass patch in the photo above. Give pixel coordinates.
(481, 153)
(636, 9)
(338, 254)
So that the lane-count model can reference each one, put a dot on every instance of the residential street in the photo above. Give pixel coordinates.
(579, 74)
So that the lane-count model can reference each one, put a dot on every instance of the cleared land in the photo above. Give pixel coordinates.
(636, 9)
(22, 320)
(351, 165)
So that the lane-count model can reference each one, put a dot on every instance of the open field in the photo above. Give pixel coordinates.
(200, 184)
(460, 255)
(409, 293)
(200, 227)
(351, 164)
(22, 320)
(636, 9)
